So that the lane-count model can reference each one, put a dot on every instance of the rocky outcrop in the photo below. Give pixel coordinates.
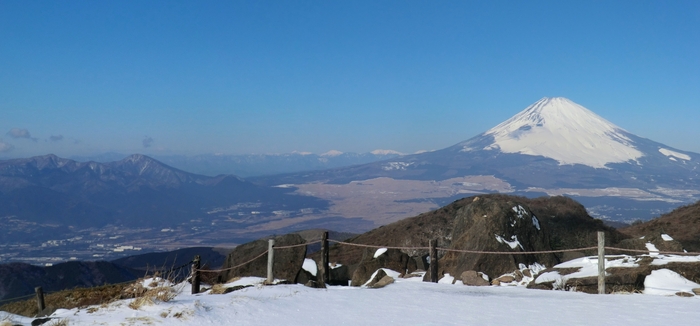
(660, 241)
(493, 224)
(287, 262)
(391, 259)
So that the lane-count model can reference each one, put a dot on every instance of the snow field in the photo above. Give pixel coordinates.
(405, 302)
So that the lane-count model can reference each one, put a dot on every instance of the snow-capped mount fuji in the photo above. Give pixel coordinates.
(564, 131)
(570, 134)
(554, 147)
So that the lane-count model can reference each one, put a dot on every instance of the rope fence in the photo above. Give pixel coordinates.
(516, 252)
(234, 267)
(194, 276)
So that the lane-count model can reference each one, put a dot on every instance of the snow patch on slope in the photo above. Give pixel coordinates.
(564, 131)
(671, 154)
(332, 153)
(385, 152)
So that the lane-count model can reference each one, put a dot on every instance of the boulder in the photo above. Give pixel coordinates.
(473, 278)
(286, 266)
(506, 279)
(392, 259)
(384, 281)
(380, 273)
(495, 224)
(314, 284)
(304, 277)
(518, 276)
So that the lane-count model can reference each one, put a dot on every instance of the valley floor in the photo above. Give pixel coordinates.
(406, 302)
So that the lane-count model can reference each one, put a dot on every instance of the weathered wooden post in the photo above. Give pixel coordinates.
(601, 262)
(433, 261)
(195, 275)
(270, 260)
(324, 258)
(40, 299)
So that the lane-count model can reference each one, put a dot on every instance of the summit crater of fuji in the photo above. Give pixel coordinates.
(552, 147)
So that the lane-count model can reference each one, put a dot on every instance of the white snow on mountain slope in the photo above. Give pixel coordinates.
(332, 153)
(565, 131)
(385, 152)
(671, 154)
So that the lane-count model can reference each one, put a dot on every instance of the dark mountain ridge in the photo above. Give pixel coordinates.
(136, 191)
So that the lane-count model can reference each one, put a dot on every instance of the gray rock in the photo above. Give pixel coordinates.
(304, 276)
(315, 285)
(422, 262)
(386, 280)
(392, 259)
(377, 277)
(473, 278)
(696, 291)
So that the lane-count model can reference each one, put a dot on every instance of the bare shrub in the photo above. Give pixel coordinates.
(58, 322)
(152, 296)
(218, 289)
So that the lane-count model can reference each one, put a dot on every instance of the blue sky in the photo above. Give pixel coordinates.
(85, 77)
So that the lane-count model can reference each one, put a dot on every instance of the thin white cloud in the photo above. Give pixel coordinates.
(5, 147)
(17, 133)
(147, 141)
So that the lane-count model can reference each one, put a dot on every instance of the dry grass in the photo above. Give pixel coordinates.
(58, 322)
(152, 296)
(218, 289)
(68, 299)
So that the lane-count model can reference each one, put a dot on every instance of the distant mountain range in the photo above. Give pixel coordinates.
(553, 147)
(137, 191)
(256, 164)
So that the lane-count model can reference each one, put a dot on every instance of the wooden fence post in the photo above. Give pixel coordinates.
(601, 262)
(433, 261)
(195, 275)
(40, 299)
(324, 258)
(270, 260)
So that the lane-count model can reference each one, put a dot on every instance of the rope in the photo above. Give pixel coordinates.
(373, 246)
(515, 252)
(466, 251)
(234, 267)
(250, 261)
(655, 252)
(17, 298)
(519, 252)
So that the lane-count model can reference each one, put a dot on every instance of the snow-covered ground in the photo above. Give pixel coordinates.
(406, 302)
